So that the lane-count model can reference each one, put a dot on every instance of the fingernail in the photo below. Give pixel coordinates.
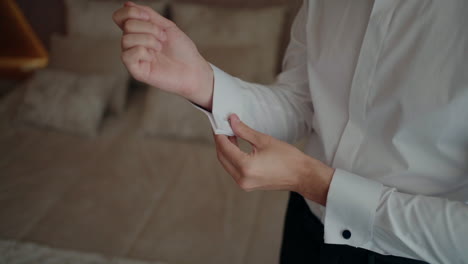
(129, 3)
(234, 118)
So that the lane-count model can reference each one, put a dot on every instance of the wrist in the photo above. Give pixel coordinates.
(315, 181)
(201, 93)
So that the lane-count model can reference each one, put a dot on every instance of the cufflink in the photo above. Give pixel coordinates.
(346, 234)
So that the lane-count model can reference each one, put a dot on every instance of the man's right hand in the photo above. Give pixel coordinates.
(155, 51)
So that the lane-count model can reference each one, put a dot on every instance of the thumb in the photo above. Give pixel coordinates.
(245, 132)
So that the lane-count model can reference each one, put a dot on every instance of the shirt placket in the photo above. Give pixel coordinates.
(354, 133)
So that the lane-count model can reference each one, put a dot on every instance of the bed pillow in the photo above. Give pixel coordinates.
(94, 18)
(88, 55)
(243, 42)
(66, 101)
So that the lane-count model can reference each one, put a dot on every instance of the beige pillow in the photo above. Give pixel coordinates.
(66, 101)
(94, 18)
(243, 42)
(88, 55)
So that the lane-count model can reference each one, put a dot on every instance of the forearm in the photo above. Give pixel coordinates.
(201, 93)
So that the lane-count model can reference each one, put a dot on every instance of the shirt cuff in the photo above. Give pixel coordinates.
(351, 206)
(227, 100)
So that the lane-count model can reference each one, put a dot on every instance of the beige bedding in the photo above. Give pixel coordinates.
(121, 194)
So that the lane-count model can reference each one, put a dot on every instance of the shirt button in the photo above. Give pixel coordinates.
(346, 234)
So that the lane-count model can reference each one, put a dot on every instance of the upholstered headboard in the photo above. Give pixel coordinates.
(48, 16)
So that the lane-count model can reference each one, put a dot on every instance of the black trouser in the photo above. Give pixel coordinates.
(303, 241)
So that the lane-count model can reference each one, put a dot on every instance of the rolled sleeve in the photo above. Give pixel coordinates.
(351, 207)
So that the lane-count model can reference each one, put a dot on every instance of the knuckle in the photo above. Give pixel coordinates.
(155, 29)
(126, 58)
(128, 25)
(140, 51)
(125, 41)
(171, 23)
(150, 39)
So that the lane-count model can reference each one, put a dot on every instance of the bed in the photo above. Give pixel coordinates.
(129, 193)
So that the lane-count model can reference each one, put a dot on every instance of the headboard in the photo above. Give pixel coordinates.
(48, 16)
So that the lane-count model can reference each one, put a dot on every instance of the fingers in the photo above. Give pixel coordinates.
(146, 40)
(137, 60)
(229, 167)
(154, 17)
(233, 140)
(133, 26)
(125, 13)
(230, 151)
(236, 172)
(245, 132)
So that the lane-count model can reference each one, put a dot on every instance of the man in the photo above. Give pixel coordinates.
(381, 89)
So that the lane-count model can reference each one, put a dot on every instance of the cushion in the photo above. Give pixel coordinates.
(88, 55)
(243, 42)
(66, 101)
(94, 18)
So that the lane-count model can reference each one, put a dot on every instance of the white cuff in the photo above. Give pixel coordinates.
(227, 99)
(351, 206)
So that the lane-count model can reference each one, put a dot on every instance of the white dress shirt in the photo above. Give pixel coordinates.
(381, 90)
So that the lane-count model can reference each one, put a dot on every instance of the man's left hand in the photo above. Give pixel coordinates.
(272, 164)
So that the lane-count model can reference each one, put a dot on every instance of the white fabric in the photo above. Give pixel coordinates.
(381, 89)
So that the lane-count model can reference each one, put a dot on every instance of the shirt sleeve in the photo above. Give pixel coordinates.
(282, 110)
(364, 213)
